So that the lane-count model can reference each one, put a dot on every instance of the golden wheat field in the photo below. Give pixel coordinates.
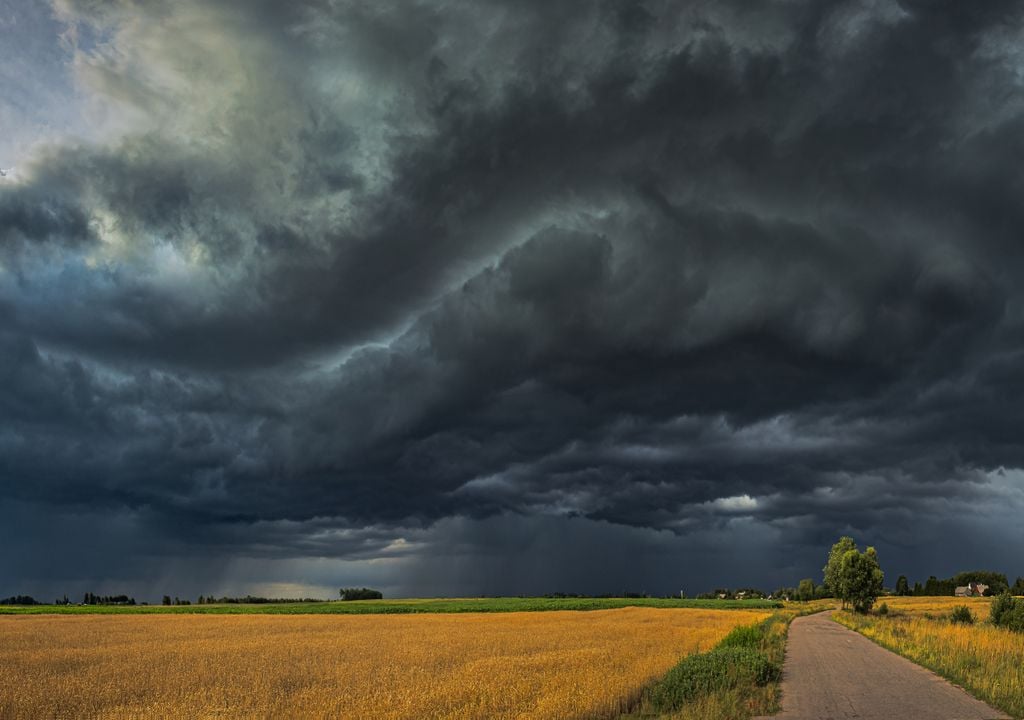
(920, 606)
(987, 660)
(490, 665)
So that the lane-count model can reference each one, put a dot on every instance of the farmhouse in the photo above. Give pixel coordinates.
(971, 589)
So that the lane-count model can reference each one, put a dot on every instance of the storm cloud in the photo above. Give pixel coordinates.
(514, 297)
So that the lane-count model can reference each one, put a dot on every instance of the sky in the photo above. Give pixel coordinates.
(451, 298)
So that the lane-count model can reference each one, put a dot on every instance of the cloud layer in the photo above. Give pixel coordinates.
(411, 292)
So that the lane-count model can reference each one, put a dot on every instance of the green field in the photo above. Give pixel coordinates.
(375, 607)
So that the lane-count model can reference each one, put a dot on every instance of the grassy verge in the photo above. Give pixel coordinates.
(985, 660)
(735, 678)
(377, 607)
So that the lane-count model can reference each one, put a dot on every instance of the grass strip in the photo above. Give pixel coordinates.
(734, 680)
(985, 660)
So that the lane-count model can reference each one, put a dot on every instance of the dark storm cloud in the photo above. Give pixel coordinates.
(362, 281)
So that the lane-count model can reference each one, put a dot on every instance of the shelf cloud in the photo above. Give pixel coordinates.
(515, 297)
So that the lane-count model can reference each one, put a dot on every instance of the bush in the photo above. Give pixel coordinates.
(1002, 605)
(1008, 612)
(962, 615)
(748, 636)
(1014, 620)
(720, 669)
(883, 609)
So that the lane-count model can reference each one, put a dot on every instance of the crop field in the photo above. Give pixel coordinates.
(405, 606)
(935, 606)
(986, 660)
(559, 664)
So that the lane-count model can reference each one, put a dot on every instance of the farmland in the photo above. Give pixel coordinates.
(471, 665)
(405, 606)
(988, 661)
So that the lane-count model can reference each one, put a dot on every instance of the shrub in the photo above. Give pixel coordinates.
(961, 614)
(1008, 612)
(720, 669)
(883, 609)
(1001, 607)
(748, 636)
(1014, 620)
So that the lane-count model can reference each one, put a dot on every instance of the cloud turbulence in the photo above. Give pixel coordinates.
(515, 297)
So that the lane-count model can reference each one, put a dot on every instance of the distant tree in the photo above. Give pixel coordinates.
(166, 600)
(19, 600)
(1018, 587)
(805, 590)
(835, 558)
(785, 593)
(860, 579)
(935, 587)
(902, 586)
(918, 588)
(997, 582)
(360, 594)
(820, 592)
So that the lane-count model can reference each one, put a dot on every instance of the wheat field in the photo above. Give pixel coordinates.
(511, 665)
(936, 606)
(986, 660)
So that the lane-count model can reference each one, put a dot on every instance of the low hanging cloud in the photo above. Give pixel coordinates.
(413, 292)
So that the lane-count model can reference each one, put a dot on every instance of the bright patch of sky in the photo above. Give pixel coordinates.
(39, 102)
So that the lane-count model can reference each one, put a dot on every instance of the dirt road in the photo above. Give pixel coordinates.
(832, 673)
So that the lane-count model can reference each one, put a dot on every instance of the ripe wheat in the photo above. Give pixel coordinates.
(986, 660)
(521, 665)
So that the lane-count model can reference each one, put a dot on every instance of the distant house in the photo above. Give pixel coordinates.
(972, 589)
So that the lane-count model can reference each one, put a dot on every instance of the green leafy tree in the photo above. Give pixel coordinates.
(902, 586)
(805, 590)
(835, 557)
(860, 579)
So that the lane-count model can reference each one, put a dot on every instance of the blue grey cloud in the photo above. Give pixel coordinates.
(449, 286)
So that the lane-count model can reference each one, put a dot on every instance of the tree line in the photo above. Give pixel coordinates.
(20, 600)
(93, 599)
(997, 584)
(252, 600)
(360, 594)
